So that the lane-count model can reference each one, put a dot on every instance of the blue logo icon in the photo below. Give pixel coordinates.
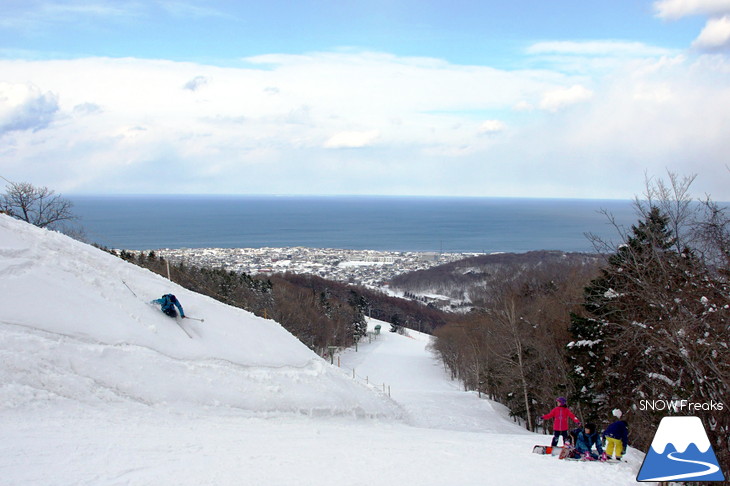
(680, 451)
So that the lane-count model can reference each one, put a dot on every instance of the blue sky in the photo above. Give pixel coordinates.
(477, 98)
(462, 32)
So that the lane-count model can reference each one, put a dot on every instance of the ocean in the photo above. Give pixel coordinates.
(424, 224)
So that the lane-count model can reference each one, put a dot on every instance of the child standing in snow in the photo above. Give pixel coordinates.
(560, 414)
(617, 436)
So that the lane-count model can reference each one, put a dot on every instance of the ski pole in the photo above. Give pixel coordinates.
(125, 284)
(195, 318)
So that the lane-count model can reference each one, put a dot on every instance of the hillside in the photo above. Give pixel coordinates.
(99, 388)
(84, 315)
(459, 285)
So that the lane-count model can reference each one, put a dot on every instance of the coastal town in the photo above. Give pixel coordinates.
(361, 267)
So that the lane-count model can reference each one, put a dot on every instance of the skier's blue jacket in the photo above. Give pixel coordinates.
(168, 302)
(584, 442)
(618, 430)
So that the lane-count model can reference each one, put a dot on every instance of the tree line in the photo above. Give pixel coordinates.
(511, 346)
(466, 281)
(319, 312)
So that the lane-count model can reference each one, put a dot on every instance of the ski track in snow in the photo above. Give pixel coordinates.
(97, 387)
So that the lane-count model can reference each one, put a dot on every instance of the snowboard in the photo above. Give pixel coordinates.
(569, 457)
(547, 450)
(566, 452)
(580, 459)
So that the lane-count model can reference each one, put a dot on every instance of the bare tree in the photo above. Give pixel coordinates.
(510, 347)
(712, 233)
(674, 201)
(38, 206)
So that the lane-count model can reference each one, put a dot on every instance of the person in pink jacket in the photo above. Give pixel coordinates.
(561, 414)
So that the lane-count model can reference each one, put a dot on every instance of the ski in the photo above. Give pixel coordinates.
(183, 328)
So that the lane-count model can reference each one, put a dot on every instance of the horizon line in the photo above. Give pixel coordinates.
(394, 196)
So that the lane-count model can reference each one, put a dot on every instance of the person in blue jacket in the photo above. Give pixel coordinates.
(585, 439)
(168, 302)
(617, 436)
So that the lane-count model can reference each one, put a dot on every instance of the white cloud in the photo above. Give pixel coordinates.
(598, 48)
(590, 58)
(196, 83)
(87, 109)
(675, 9)
(715, 34)
(524, 105)
(353, 139)
(492, 126)
(558, 99)
(24, 107)
(274, 128)
(646, 117)
(36, 15)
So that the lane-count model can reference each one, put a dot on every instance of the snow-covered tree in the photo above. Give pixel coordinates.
(615, 299)
(654, 328)
(359, 305)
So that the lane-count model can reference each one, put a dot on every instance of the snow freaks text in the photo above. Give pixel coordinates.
(680, 406)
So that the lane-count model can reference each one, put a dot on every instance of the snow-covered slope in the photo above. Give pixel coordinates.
(99, 388)
(76, 326)
(422, 386)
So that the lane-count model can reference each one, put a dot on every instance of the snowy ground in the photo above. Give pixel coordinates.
(97, 387)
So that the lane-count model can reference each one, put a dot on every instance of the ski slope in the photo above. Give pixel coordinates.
(97, 387)
(419, 384)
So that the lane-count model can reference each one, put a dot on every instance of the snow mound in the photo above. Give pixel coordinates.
(76, 326)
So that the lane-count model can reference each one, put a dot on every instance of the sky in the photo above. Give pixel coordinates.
(562, 99)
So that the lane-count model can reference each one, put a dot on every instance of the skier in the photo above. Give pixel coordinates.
(168, 302)
(561, 414)
(617, 436)
(585, 439)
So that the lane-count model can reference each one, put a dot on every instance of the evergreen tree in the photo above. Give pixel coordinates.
(359, 305)
(620, 298)
(654, 328)
(395, 323)
(586, 357)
